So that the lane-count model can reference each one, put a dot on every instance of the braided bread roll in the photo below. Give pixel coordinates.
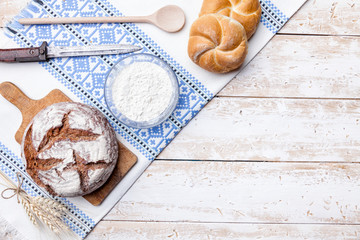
(217, 43)
(246, 12)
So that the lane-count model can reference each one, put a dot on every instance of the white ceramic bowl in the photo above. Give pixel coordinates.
(115, 71)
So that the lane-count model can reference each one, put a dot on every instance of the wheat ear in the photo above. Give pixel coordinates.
(38, 208)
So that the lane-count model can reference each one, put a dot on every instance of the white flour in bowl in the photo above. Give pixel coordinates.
(142, 91)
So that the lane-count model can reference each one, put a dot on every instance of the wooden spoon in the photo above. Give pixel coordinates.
(170, 18)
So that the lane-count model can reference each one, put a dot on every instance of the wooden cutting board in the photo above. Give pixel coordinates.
(29, 108)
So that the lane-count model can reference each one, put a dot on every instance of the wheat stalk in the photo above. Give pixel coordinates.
(39, 209)
(28, 211)
(49, 212)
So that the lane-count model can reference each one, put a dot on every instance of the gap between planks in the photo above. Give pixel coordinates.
(235, 223)
(299, 98)
(316, 34)
(251, 161)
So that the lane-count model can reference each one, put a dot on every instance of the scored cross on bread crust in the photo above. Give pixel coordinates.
(65, 160)
(57, 134)
(64, 132)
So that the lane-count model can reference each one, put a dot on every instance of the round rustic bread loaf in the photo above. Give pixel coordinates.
(70, 149)
(246, 12)
(217, 43)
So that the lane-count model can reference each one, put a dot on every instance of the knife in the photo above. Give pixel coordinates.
(44, 52)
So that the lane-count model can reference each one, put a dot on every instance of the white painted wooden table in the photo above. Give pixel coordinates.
(275, 155)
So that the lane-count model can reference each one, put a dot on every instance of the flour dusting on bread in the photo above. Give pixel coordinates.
(70, 149)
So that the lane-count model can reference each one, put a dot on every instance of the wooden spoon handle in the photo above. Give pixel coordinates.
(69, 20)
(14, 95)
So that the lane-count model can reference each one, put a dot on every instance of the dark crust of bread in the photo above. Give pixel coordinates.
(34, 164)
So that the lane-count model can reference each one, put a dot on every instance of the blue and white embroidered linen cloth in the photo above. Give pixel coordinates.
(82, 79)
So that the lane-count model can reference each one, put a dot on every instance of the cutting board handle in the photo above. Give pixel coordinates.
(27, 106)
(14, 95)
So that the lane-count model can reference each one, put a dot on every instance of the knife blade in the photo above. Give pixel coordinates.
(44, 52)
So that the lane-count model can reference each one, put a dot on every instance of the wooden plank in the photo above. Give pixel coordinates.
(260, 192)
(271, 129)
(326, 17)
(302, 66)
(187, 231)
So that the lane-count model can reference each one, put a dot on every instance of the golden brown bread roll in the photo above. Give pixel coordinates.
(217, 43)
(247, 12)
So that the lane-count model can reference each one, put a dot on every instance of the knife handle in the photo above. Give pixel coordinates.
(34, 54)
